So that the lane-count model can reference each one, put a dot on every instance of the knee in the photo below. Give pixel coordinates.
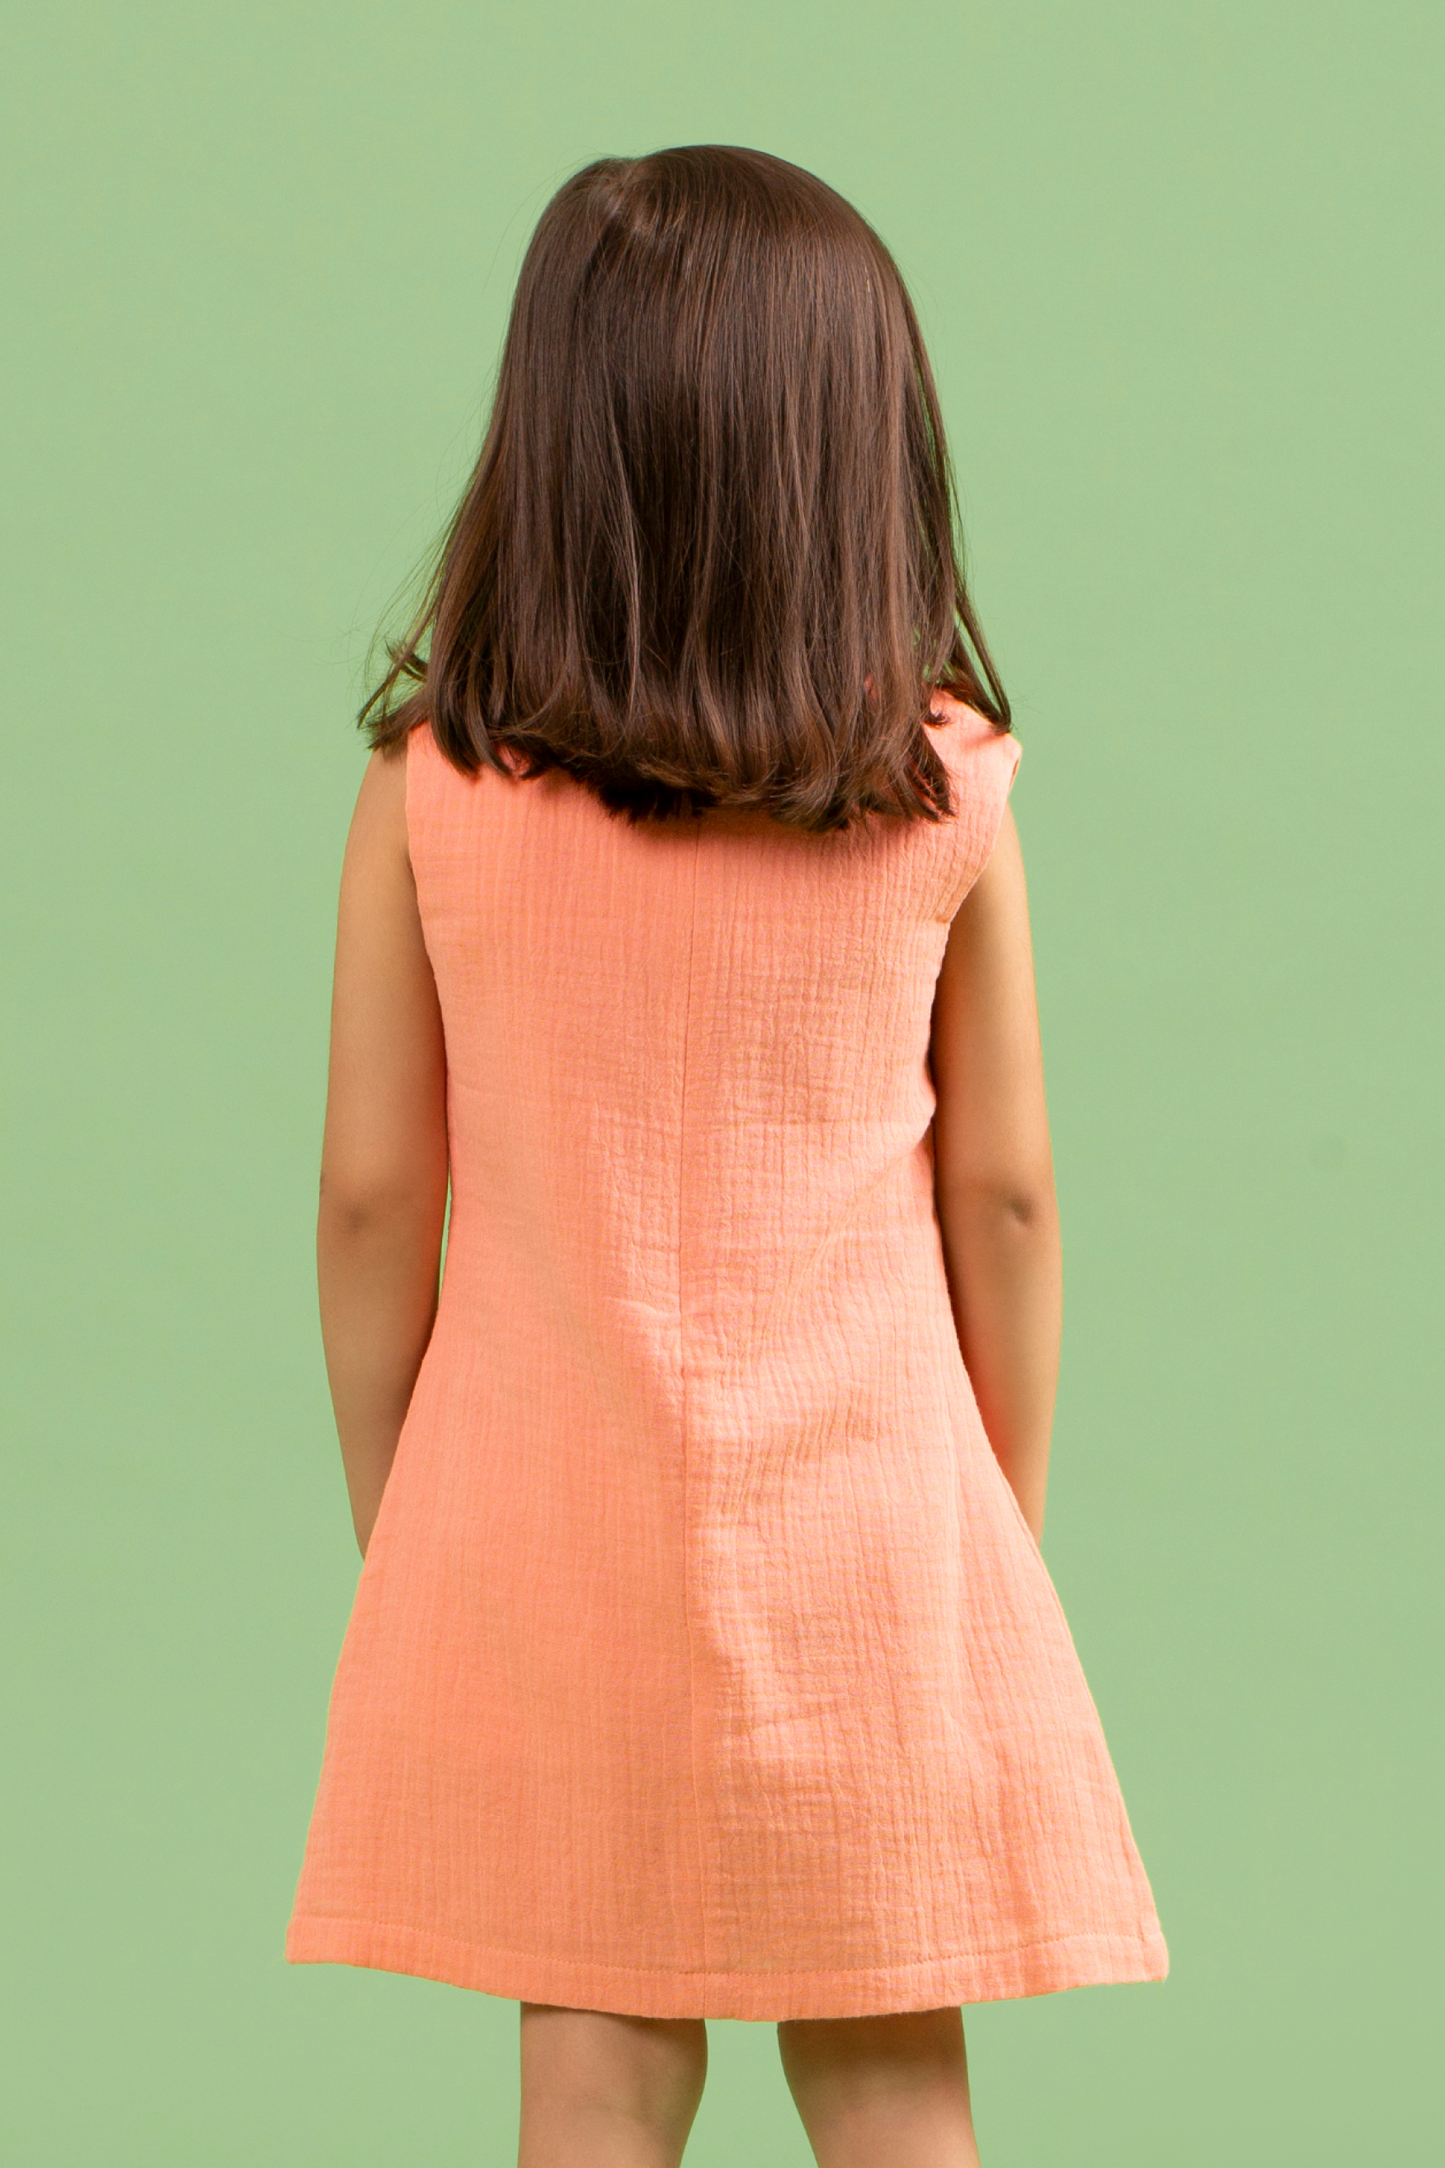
(864, 2054)
(882, 2092)
(647, 2073)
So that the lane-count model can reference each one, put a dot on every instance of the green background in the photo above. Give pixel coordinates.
(1178, 265)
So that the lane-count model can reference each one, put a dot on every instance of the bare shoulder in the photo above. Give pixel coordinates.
(1000, 881)
(378, 825)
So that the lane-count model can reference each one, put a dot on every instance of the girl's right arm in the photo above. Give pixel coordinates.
(384, 1153)
(993, 1171)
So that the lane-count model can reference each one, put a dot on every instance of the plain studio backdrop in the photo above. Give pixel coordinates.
(1178, 265)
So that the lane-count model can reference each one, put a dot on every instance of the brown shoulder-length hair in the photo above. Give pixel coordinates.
(708, 554)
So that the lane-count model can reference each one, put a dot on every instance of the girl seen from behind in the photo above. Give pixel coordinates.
(703, 1661)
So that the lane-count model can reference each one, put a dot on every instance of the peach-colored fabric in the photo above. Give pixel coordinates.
(701, 1663)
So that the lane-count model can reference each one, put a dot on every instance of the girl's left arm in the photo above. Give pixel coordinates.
(384, 1151)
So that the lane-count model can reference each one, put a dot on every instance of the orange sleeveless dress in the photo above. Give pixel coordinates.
(701, 1663)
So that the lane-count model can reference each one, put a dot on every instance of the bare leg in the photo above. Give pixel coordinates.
(882, 2092)
(600, 2091)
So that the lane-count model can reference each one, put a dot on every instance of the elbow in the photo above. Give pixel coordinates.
(1031, 1207)
(1015, 1203)
(356, 1205)
(352, 1215)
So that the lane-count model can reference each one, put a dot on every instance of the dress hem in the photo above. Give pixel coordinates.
(1040, 1968)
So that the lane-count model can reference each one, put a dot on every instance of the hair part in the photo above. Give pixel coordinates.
(707, 556)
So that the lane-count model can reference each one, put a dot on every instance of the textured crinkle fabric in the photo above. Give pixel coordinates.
(702, 1663)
